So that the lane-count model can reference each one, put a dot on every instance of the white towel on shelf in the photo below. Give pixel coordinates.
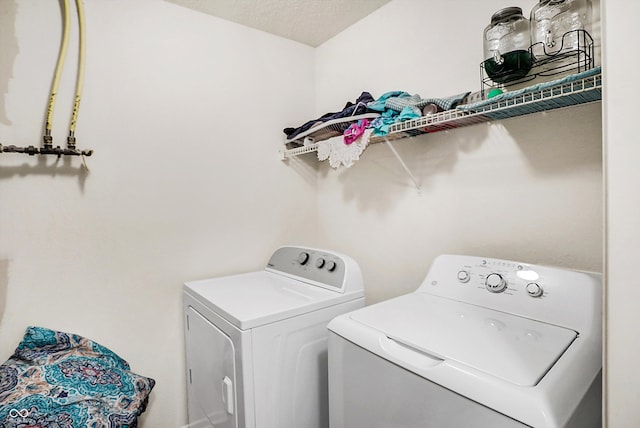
(340, 153)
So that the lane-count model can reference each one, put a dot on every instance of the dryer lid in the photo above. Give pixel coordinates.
(518, 350)
(257, 298)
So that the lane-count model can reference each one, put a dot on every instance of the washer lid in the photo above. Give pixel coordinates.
(253, 299)
(518, 350)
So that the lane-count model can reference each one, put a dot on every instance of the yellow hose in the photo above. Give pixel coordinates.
(80, 81)
(56, 78)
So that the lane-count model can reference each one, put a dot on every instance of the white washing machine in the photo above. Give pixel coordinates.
(256, 343)
(481, 343)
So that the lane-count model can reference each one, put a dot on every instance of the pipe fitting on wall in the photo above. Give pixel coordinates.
(56, 151)
(71, 141)
(47, 141)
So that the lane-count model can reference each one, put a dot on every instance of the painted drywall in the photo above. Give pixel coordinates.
(622, 381)
(185, 113)
(526, 189)
(104, 253)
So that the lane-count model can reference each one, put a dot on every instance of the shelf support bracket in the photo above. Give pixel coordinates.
(404, 165)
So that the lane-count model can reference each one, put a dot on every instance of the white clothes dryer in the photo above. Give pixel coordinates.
(482, 343)
(256, 343)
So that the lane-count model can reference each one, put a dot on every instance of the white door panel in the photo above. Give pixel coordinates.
(211, 370)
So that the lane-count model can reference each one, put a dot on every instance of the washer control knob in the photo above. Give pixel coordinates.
(303, 258)
(495, 283)
(320, 263)
(331, 266)
(463, 276)
(534, 290)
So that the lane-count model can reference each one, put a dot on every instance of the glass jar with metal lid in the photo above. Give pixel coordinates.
(506, 46)
(556, 25)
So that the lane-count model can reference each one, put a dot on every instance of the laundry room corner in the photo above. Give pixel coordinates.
(525, 188)
(188, 178)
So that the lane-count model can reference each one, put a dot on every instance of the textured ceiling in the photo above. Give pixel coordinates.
(311, 22)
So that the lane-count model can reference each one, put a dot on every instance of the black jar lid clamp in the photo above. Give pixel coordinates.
(505, 14)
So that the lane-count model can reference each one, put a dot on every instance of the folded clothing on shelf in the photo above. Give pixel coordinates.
(391, 107)
(350, 109)
(398, 106)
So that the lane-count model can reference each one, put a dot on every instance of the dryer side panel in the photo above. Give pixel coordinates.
(290, 369)
(211, 374)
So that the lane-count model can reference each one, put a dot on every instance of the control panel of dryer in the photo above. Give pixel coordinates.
(323, 268)
(549, 294)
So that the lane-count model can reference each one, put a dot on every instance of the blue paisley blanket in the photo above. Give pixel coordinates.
(61, 380)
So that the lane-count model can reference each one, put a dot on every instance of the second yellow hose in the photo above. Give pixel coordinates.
(81, 60)
(56, 77)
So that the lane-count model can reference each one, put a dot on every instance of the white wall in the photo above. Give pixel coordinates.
(622, 152)
(185, 184)
(525, 188)
(185, 114)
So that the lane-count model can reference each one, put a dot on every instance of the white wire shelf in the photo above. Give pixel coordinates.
(537, 98)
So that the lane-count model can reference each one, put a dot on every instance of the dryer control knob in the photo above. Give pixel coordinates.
(331, 266)
(534, 290)
(495, 283)
(463, 276)
(303, 258)
(320, 263)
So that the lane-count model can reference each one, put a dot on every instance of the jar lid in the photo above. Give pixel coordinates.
(505, 13)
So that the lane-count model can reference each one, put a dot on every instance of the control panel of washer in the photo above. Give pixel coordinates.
(502, 278)
(323, 268)
(514, 287)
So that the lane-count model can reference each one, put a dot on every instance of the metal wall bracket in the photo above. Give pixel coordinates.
(404, 165)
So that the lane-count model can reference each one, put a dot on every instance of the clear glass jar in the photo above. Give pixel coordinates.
(506, 46)
(554, 24)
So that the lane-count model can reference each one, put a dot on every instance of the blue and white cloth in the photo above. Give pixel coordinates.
(61, 380)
